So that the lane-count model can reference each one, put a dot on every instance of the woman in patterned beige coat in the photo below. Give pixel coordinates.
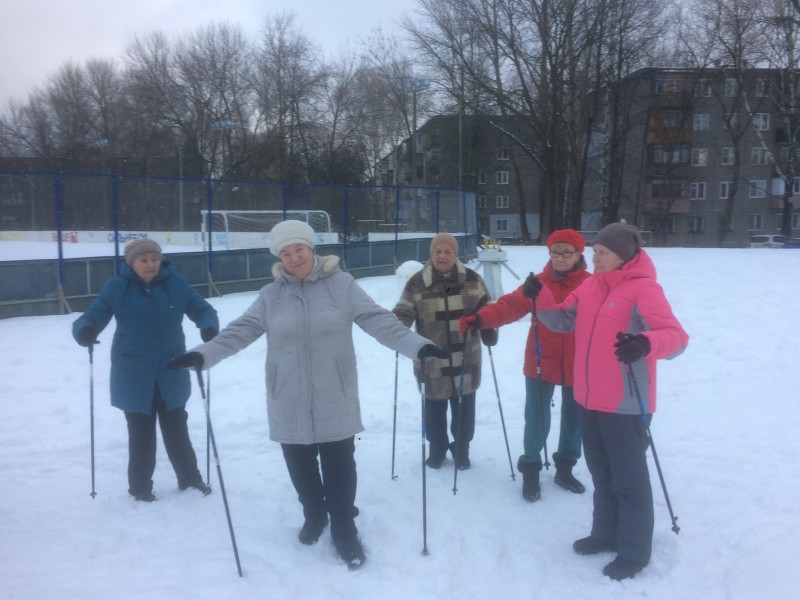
(435, 298)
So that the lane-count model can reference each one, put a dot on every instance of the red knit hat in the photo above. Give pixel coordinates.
(568, 236)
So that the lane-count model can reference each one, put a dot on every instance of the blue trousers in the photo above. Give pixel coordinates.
(616, 454)
(537, 421)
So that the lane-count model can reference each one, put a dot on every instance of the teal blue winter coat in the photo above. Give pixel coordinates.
(149, 334)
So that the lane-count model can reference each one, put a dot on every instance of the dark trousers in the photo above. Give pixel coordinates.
(436, 424)
(615, 448)
(142, 446)
(334, 490)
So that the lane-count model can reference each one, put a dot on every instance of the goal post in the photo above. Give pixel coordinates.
(250, 228)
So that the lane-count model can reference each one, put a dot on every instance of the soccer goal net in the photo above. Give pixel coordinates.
(250, 228)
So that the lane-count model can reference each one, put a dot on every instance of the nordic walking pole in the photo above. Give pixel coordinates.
(394, 416)
(635, 386)
(459, 422)
(502, 420)
(424, 488)
(539, 379)
(219, 471)
(208, 431)
(91, 407)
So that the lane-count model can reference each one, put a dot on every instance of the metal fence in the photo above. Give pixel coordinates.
(374, 226)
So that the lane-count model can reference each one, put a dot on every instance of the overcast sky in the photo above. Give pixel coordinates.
(38, 36)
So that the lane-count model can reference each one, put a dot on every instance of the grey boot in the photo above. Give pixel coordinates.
(530, 479)
(564, 476)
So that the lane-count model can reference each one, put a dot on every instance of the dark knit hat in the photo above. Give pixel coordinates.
(622, 239)
(444, 238)
(567, 236)
(135, 248)
(288, 232)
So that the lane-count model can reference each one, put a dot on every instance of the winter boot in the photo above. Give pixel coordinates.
(312, 529)
(461, 458)
(197, 485)
(592, 545)
(564, 476)
(435, 457)
(145, 497)
(623, 568)
(530, 479)
(350, 549)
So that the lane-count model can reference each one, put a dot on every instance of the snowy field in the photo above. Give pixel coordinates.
(726, 433)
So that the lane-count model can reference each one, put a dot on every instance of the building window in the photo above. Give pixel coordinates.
(501, 178)
(702, 89)
(759, 155)
(731, 87)
(755, 222)
(481, 178)
(794, 221)
(699, 157)
(727, 155)
(501, 202)
(761, 121)
(660, 85)
(502, 154)
(696, 225)
(697, 190)
(481, 201)
(501, 225)
(761, 88)
(669, 225)
(670, 154)
(725, 189)
(700, 122)
(796, 186)
(758, 188)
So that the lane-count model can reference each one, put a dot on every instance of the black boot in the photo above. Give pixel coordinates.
(530, 479)
(435, 457)
(564, 476)
(623, 568)
(350, 549)
(461, 458)
(312, 529)
(197, 485)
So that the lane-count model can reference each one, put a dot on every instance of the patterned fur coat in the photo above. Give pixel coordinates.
(435, 302)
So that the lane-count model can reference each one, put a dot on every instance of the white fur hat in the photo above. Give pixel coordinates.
(290, 232)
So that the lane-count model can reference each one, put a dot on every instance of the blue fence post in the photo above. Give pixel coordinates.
(396, 220)
(115, 212)
(65, 309)
(346, 221)
(436, 212)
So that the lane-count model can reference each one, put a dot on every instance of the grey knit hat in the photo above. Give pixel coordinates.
(135, 248)
(288, 232)
(622, 239)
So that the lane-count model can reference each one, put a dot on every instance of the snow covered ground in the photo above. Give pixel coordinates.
(726, 434)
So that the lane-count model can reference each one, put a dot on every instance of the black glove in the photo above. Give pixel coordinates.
(631, 348)
(190, 360)
(87, 336)
(531, 287)
(208, 333)
(489, 337)
(432, 350)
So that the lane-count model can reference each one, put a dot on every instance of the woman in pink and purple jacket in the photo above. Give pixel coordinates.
(622, 321)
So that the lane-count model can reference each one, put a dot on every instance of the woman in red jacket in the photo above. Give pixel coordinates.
(564, 272)
(623, 324)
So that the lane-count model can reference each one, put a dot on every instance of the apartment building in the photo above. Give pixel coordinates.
(704, 156)
(474, 153)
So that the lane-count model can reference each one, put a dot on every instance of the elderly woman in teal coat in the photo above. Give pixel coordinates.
(148, 301)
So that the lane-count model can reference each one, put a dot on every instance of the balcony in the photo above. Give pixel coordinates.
(671, 206)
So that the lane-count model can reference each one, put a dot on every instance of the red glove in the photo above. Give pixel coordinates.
(468, 322)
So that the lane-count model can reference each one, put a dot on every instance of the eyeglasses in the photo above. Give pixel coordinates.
(562, 254)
